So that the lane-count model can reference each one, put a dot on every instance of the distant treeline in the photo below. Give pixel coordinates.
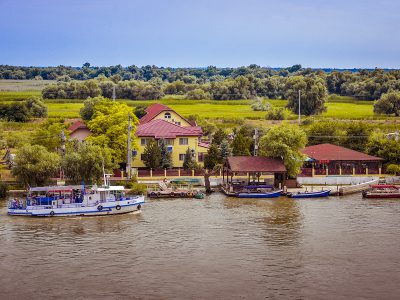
(151, 82)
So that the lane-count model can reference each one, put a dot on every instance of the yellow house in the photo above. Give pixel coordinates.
(163, 123)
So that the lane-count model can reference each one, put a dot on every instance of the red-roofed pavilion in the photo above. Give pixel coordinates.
(329, 159)
(253, 167)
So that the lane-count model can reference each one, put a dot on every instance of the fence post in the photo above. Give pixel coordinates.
(312, 172)
(366, 170)
(192, 172)
(327, 171)
(165, 172)
(340, 170)
(179, 172)
(354, 171)
(380, 171)
(151, 172)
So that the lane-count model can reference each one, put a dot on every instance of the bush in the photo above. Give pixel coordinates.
(258, 105)
(277, 113)
(3, 190)
(136, 188)
(393, 169)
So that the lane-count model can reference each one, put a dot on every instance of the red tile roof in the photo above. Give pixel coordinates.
(152, 111)
(328, 152)
(164, 129)
(77, 125)
(155, 109)
(256, 164)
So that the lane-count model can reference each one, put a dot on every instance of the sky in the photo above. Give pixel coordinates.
(200, 33)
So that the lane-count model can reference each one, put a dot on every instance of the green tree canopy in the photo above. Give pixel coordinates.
(382, 146)
(84, 162)
(286, 142)
(166, 157)
(36, 107)
(34, 165)
(152, 155)
(313, 94)
(49, 134)
(388, 104)
(213, 157)
(87, 111)
(322, 132)
(241, 145)
(188, 162)
(109, 127)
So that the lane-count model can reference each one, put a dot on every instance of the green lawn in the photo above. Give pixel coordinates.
(338, 107)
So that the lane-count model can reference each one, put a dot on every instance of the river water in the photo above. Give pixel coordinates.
(216, 248)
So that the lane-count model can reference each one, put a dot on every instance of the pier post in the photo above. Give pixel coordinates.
(354, 171)
(366, 170)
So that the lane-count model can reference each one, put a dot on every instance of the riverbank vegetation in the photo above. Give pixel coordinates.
(342, 120)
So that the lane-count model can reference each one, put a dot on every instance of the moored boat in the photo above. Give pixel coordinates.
(75, 201)
(318, 194)
(273, 194)
(382, 191)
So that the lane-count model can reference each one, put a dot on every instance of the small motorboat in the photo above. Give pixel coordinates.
(273, 194)
(382, 191)
(309, 194)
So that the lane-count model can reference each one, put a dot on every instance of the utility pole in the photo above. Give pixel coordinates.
(63, 151)
(63, 140)
(129, 154)
(255, 137)
(299, 107)
(113, 94)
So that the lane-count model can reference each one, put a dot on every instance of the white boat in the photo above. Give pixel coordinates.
(66, 201)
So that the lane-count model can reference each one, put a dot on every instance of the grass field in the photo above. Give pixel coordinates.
(338, 107)
(23, 85)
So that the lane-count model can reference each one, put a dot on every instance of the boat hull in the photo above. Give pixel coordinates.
(310, 195)
(102, 209)
(382, 196)
(260, 195)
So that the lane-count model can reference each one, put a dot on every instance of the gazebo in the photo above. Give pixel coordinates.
(329, 159)
(248, 170)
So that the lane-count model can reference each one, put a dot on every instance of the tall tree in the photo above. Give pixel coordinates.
(109, 127)
(188, 162)
(213, 157)
(313, 94)
(388, 104)
(152, 155)
(166, 157)
(34, 165)
(84, 162)
(241, 145)
(286, 142)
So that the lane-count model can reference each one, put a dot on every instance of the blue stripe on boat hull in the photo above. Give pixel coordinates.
(260, 195)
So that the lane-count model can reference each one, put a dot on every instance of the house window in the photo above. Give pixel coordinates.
(182, 157)
(144, 141)
(167, 142)
(183, 141)
(178, 123)
(167, 115)
(201, 157)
